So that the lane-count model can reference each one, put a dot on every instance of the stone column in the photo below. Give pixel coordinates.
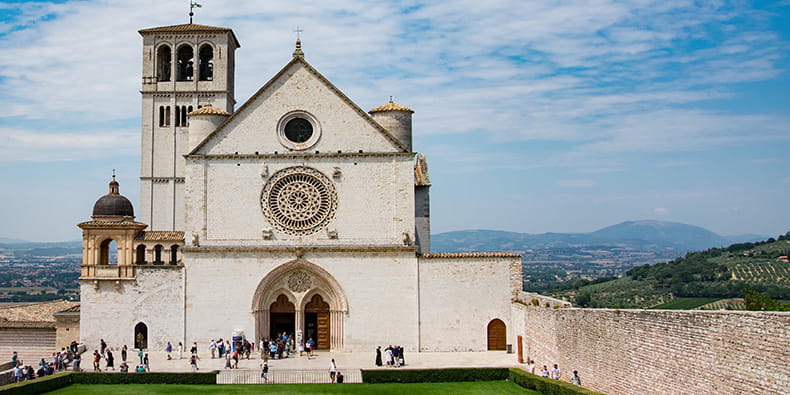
(336, 324)
(299, 322)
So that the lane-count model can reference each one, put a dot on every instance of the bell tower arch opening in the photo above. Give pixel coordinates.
(319, 304)
(108, 252)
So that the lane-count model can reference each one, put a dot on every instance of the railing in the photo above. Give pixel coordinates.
(108, 271)
(276, 376)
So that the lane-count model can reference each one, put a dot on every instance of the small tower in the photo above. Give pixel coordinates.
(112, 220)
(185, 67)
(202, 122)
(396, 119)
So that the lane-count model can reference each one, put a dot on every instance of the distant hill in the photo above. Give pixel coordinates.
(4, 240)
(639, 235)
(714, 273)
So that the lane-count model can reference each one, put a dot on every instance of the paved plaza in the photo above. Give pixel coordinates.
(320, 360)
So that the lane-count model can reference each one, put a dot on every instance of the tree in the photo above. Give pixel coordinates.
(757, 301)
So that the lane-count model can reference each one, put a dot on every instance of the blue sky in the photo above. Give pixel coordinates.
(535, 116)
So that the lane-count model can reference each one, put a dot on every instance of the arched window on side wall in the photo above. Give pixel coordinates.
(174, 254)
(186, 63)
(158, 254)
(140, 255)
(206, 63)
(108, 252)
(164, 60)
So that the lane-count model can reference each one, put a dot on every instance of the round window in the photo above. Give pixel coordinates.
(298, 130)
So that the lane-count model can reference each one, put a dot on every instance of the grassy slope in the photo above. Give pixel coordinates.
(471, 388)
(762, 268)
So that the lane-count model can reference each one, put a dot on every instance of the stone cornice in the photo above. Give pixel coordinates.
(297, 155)
(470, 255)
(183, 92)
(299, 250)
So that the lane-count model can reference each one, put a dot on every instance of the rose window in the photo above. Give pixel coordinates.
(299, 200)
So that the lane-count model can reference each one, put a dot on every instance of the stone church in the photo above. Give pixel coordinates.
(296, 212)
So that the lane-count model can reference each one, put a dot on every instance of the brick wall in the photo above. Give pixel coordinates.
(661, 351)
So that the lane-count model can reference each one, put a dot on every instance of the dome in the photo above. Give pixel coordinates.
(208, 109)
(391, 106)
(113, 204)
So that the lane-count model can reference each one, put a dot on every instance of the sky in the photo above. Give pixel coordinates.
(535, 116)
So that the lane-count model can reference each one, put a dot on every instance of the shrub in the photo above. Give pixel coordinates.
(38, 386)
(434, 375)
(545, 385)
(145, 378)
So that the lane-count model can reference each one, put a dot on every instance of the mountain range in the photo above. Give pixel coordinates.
(646, 235)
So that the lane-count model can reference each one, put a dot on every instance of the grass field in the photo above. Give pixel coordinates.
(684, 303)
(470, 388)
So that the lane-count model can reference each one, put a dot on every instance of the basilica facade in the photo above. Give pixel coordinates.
(296, 212)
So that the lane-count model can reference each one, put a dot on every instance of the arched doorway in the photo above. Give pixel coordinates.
(497, 335)
(317, 322)
(140, 336)
(282, 316)
(300, 281)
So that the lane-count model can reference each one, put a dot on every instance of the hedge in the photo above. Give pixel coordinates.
(546, 385)
(434, 375)
(60, 380)
(37, 386)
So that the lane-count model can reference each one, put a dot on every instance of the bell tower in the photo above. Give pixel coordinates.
(185, 67)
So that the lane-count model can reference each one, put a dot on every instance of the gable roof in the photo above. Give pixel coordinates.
(190, 28)
(300, 59)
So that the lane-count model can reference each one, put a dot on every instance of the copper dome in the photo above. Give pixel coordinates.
(113, 204)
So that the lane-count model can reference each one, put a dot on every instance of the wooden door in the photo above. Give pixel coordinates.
(323, 331)
(497, 335)
(321, 309)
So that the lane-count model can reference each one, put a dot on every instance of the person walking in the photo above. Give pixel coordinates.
(180, 350)
(110, 360)
(168, 350)
(96, 359)
(378, 356)
(555, 372)
(193, 363)
(575, 379)
(332, 370)
(146, 366)
(227, 361)
(140, 354)
(265, 372)
(123, 353)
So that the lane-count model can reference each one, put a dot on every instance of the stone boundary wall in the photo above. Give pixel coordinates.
(661, 351)
(538, 300)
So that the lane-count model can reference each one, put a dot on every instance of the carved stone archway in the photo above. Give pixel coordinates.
(300, 280)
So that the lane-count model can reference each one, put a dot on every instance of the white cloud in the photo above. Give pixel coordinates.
(661, 211)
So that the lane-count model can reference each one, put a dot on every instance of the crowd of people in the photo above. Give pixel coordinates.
(393, 356)
(59, 361)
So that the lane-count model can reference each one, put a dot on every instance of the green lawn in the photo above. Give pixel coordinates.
(485, 387)
(684, 303)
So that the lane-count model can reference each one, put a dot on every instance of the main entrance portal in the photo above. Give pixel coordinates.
(302, 299)
(282, 316)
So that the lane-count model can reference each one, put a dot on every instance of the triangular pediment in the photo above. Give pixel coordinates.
(299, 90)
